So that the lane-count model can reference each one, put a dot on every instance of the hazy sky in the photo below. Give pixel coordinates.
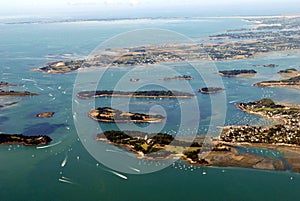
(139, 6)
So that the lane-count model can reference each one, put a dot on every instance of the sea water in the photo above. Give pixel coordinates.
(28, 173)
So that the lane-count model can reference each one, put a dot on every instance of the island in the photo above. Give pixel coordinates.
(6, 84)
(183, 77)
(230, 45)
(8, 104)
(293, 82)
(211, 90)
(110, 115)
(16, 93)
(136, 94)
(45, 115)
(290, 72)
(7, 139)
(237, 73)
(270, 65)
(134, 79)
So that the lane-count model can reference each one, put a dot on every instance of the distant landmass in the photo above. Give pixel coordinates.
(231, 45)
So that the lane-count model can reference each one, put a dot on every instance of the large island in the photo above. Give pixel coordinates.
(6, 139)
(136, 94)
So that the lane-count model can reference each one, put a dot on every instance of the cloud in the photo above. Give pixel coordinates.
(134, 2)
(80, 3)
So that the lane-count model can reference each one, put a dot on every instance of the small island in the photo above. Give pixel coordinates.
(136, 94)
(237, 73)
(291, 72)
(6, 139)
(211, 90)
(16, 93)
(110, 115)
(45, 115)
(8, 104)
(183, 77)
(270, 65)
(6, 84)
(134, 79)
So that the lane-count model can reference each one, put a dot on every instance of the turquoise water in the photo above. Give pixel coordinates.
(27, 173)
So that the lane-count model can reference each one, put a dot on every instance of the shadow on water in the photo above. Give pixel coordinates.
(3, 119)
(42, 129)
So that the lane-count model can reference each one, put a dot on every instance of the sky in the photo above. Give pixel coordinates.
(137, 8)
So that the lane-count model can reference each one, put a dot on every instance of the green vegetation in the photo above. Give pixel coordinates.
(144, 144)
(183, 77)
(17, 93)
(234, 73)
(6, 84)
(136, 94)
(211, 90)
(25, 140)
(106, 114)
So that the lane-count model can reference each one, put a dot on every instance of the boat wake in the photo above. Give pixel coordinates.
(64, 162)
(66, 180)
(51, 145)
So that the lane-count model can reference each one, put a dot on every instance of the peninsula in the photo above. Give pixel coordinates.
(136, 94)
(6, 139)
(163, 146)
(109, 115)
